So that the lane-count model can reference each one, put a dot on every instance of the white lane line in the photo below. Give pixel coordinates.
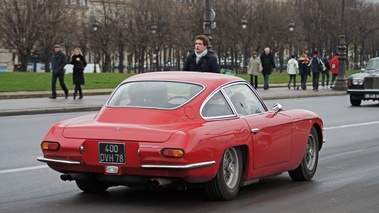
(351, 125)
(22, 169)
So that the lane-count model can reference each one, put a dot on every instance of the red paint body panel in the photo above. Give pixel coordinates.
(277, 147)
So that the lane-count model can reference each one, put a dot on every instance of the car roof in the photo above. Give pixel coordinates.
(204, 78)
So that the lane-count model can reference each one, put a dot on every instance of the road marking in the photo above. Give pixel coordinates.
(351, 125)
(22, 169)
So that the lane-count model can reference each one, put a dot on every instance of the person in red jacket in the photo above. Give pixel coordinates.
(334, 68)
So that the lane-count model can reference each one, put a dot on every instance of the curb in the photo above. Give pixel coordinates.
(46, 94)
(49, 111)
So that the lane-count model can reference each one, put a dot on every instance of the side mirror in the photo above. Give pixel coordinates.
(363, 69)
(277, 108)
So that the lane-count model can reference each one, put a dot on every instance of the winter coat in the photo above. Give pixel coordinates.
(58, 61)
(77, 75)
(326, 62)
(207, 63)
(334, 65)
(303, 66)
(268, 63)
(292, 67)
(314, 64)
(254, 67)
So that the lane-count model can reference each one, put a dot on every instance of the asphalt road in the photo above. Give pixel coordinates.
(347, 179)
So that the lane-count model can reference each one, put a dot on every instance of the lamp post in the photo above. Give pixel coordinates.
(341, 79)
(244, 23)
(155, 59)
(244, 26)
(209, 16)
(291, 27)
(95, 27)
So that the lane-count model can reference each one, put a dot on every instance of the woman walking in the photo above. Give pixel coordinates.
(254, 69)
(292, 70)
(79, 63)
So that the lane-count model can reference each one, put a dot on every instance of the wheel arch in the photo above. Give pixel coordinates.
(319, 134)
(244, 152)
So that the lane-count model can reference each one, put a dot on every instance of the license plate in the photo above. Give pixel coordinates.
(113, 153)
(371, 95)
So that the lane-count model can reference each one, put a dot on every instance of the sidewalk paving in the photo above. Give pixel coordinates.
(27, 103)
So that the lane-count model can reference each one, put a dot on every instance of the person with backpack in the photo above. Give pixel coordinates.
(334, 67)
(316, 66)
(201, 60)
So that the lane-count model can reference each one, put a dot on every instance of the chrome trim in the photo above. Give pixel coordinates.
(255, 130)
(50, 160)
(188, 166)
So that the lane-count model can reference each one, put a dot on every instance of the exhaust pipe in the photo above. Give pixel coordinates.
(72, 176)
(160, 182)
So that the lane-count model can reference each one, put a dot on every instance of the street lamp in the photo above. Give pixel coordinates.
(155, 58)
(95, 27)
(291, 27)
(244, 23)
(209, 16)
(341, 79)
(244, 26)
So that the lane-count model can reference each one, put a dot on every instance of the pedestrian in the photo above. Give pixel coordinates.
(292, 70)
(79, 62)
(316, 66)
(268, 64)
(201, 60)
(334, 67)
(58, 61)
(254, 68)
(304, 70)
(325, 72)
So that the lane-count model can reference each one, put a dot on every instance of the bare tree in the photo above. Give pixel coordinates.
(56, 26)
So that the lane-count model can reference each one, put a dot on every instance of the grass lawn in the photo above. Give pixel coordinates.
(26, 81)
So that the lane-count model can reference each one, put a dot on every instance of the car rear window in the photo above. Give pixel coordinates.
(154, 94)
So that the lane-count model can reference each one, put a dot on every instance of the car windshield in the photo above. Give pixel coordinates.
(372, 65)
(154, 94)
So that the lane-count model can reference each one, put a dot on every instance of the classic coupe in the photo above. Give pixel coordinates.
(178, 129)
(365, 85)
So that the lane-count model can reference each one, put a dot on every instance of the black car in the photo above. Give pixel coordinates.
(364, 85)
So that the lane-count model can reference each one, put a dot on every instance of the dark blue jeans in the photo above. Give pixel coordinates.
(60, 76)
(266, 79)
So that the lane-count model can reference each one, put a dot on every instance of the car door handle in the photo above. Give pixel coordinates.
(255, 130)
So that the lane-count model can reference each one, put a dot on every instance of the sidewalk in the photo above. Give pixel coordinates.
(27, 103)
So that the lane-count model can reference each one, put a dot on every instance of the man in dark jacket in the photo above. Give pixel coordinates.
(316, 66)
(201, 60)
(58, 61)
(268, 64)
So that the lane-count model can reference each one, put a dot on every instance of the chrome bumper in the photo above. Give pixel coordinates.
(50, 160)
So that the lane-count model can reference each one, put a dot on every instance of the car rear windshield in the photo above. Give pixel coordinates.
(154, 94)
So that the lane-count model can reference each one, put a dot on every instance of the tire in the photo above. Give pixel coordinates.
(225, 185)
(307, 168)
(355, 101)
(91, 185)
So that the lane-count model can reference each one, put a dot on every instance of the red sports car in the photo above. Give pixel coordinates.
(184, 128)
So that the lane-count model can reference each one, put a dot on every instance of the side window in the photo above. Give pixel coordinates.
(244, 100)
(216, 106)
